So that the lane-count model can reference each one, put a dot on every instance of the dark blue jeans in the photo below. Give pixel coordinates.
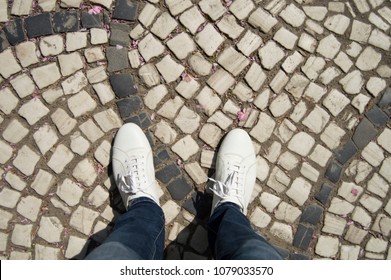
(139, 234)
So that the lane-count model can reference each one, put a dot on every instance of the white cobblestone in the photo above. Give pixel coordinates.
(230, 27)
(264, 128)
(43, 181)
(26, 52)
(375, 85)
(22, 235)
(301, 143)
(327, 246)
(278, 180)
(332, 135)
(46, 75)
(52, 94)
(380, 40)
(299, 191)
(232, 61)
(8, 101)
(378, 185)
(317, 13)
(334, 224)
(343, 61)
(63, 122)
(60, 158)
(329, 47)
(259, 218)
(76, 247)
(376, 245)
(185, 147)
(373, 154)
(292, 62)
(169, 69)
(15, 181)
(98, 36)
(5, 217)
(313, 67)
(171, 210)
(181, 45)
(370, 203)
(26, 160)
(69, 192)
(98, 196)
(337, 23)
(360, 216)
(353, 82)
(9, 198)
(383, 139)
(85, 172)
(209, 39)
(360, 31)
(82, 219)
(51, 45)
(316, 120)
(23, 85)
(104, 92)
(309, 172)
(382, 224)
(210, 134)
(200, 65)
(46, 253)
(79, 144)
(221, 81)
(270, 54)
(15, 131)
(108, 120)
(378, 21)
(196, 173)
(282, 231)
(286, 38)
(368, 60)
(154, 96)
(192, 19)
(165, 133)
(93, 55)
(187, 120)
(150, 47)
(74, 83)
(29, 207)
(97, 74)
(171, 107)
(350, 191)
(76, 41)
(340, 207)
(7, 58)
(50, 229)
(287, 212)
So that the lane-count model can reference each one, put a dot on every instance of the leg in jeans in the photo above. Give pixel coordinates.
(232, 237)
(138, 234)
(230, 233)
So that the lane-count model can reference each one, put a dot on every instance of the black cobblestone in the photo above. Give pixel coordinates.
(91, 20)
(117, 59)
(129, 105)
(122, 84)
(167, 173)
(3, 41)
(346, 152)
(160, 156)
(312, 214)
(179, 188)
(323, 195)
(333, 172)
(66, 21)
(365, 132)
(14, 32)
(125, 10)
(298, 257)
(199, 204)
(119, 34)
(303, 237)
(385, 101)
(39, 25)
(377, 117)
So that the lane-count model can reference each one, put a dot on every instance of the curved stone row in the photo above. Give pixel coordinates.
(309, 83)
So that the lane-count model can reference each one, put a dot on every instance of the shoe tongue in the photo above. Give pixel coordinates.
(232, 158)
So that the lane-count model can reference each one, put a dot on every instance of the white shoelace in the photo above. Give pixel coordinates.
(233, 185)
(135, 179)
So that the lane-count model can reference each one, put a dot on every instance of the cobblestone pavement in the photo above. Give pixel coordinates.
(309, 80)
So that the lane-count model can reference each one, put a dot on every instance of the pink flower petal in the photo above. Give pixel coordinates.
(354, 192)
(95, 10)
(242, 115)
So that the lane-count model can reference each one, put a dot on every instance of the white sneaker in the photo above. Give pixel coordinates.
(133, 167)
(235, 170)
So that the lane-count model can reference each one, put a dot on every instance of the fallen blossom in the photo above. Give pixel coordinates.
(242, 115)
(354, 192)
(119, 47)
(179, 162)
(95, 10)
(186, 77)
